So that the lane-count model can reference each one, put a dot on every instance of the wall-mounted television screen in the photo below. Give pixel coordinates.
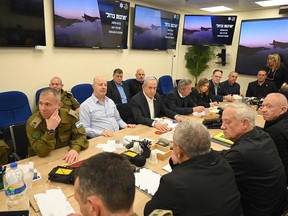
(154, 29)
(22, 23)
(258, 39)
(91, 23)
(208, 30)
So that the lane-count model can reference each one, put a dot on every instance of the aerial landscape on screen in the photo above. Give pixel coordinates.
(90, 23)
(258, 39)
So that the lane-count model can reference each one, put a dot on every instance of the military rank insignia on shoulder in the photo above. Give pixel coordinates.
(35, 122)
(69, 94)
(79, 124)
(74, 113)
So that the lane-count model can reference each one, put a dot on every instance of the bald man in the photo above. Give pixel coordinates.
(136, 85)
(67, 99)
(99, 113)
(274, 111)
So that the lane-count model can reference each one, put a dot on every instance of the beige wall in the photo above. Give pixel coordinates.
(27, 69)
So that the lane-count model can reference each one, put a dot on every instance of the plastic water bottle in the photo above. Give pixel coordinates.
(15, 188)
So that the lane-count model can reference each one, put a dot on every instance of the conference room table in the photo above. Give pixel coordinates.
(55, 158)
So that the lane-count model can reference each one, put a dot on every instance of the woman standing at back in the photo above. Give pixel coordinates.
(276, 70)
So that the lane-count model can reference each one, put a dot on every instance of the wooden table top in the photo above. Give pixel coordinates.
(45, 165)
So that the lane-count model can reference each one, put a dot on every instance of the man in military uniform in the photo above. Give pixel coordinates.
(53, 127)
(4, 151)
(67, 99)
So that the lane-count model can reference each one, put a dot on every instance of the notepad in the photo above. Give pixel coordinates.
(220, 139)
(147, 181)
(53, 203)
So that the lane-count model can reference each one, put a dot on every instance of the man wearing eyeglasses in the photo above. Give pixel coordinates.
(216, 91)
(67, 99)
(274, 111)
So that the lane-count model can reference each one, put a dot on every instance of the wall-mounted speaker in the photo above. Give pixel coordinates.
(283, 9)
(222, 56)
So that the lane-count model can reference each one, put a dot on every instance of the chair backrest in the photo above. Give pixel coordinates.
(165, 84)
(37, 95)
(82, 91)
(14, 108)
(127, 81)
(16, 138)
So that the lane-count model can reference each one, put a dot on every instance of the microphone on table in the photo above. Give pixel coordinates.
(134, 158)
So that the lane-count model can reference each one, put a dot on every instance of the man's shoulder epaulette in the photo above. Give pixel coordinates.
(35, 122)
(68, 94)
(73, 113)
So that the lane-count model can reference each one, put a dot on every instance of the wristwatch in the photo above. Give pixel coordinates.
(51, 132)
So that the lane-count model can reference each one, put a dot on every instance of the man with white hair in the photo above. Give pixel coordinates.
(258, 170)
(274, 111)
(202, 183)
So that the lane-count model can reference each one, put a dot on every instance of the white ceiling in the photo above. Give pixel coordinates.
(195, 5)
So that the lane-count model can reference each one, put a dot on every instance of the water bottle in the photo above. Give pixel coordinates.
(15, 188)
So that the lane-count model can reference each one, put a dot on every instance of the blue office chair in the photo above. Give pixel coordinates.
(127, 81)
(82, 91)
(37, 95)
(165, 84)
(14, 108)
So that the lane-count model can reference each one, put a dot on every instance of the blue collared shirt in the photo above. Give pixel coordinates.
(121, 92)
(97, 117)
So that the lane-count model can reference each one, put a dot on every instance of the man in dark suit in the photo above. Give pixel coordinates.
(147, 105)
(259, 172)
(117, 90)
(274, 111)
(179, 100)
(216, 92)
(136, 84)
(261, 87)
(202, 183)
(230, 86)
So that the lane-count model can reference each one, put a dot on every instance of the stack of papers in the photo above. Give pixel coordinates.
(147, 181)
(53, 203)
(110, 146)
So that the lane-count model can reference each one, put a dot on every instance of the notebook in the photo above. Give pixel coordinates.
(220, 139)
(167, 137)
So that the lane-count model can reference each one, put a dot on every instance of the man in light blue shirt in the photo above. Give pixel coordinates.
(99, 113)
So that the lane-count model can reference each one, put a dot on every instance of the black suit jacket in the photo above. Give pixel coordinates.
(178, 104)
(255, 90)
(278, 130)
(259, 174)
(113, 93)
(203, 185)
(135, 87)
(200, 99)
(220, 92)
(141, 112)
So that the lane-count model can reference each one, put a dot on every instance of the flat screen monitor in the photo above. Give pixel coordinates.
(259, 38)
(91, 23)
(208, 30)
(22, 23)
(154, 29)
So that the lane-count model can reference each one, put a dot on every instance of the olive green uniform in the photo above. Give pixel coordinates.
(4, 151)
(68, 101)
(70, 132)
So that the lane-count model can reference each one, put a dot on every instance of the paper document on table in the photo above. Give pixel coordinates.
(147, 181)
(110, 146)
(167, 168)
(53, 203)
